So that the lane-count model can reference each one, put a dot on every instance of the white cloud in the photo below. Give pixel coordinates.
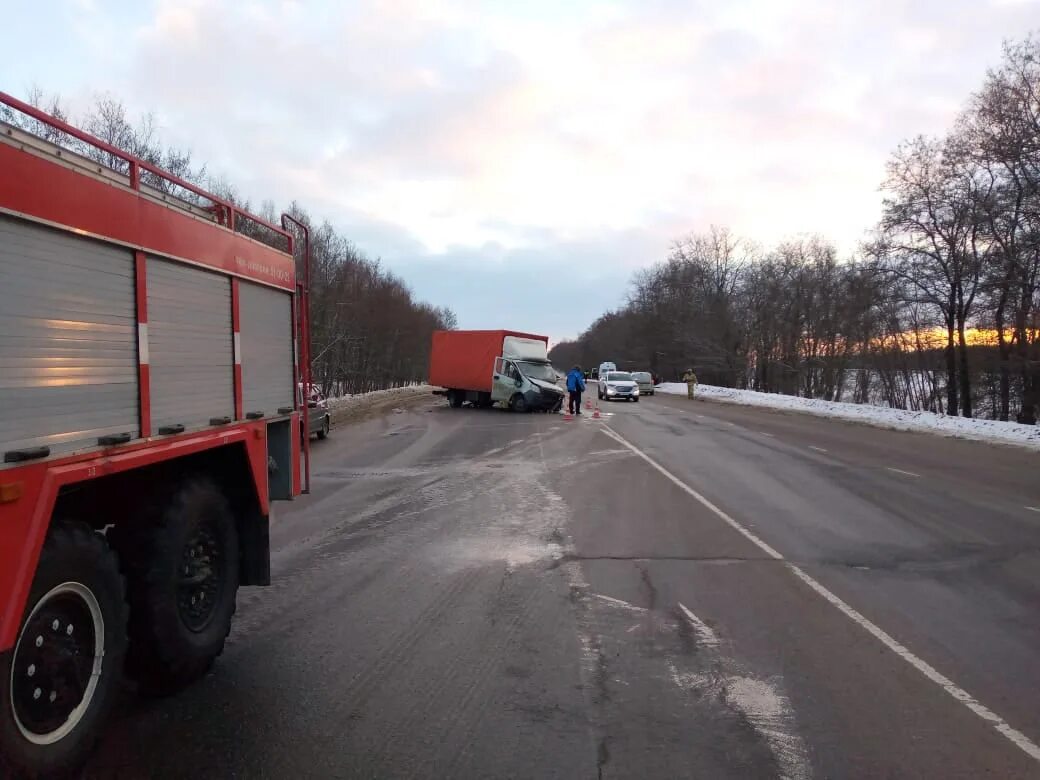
(429, 126)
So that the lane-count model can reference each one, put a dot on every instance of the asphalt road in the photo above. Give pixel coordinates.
(681, 589)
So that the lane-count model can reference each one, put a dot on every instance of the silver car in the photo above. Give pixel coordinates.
(645, 380)
(319, 417)
(618, 385)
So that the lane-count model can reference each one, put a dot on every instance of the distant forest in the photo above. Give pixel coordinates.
(939, 310)
(368, 332)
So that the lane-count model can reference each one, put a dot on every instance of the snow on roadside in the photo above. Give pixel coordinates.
(408, 390)
(348, 406)
(878, 416)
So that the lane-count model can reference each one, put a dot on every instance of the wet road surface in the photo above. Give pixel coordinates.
(681, 589)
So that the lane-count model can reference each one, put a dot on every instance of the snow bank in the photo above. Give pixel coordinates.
(879, 416)
(349, 407)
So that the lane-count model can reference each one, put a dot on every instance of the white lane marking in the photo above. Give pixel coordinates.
(701, 416)
(702, 629)
(1016, 737)
(729, 520)
(633, 628)
(900, 471)
(617, 602)
(1033, 508)
(770, 435)
(818, 449)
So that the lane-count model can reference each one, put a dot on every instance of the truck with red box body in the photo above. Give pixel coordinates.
(149, 356)
(484, 367)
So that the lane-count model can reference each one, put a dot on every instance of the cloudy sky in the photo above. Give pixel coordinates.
(518, 160)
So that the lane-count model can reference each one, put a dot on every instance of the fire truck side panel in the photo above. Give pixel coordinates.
(189, 345)
(68, 340)
(265, 316)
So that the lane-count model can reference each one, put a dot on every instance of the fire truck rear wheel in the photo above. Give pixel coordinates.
(59, 682)
(182, 566)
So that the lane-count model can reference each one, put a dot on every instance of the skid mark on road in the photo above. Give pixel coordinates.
(1013, 735)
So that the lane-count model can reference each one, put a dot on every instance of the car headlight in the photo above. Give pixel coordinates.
(635, 391)
(610, 390)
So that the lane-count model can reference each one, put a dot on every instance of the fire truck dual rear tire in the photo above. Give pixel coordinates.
(181, 563)
(58, 684)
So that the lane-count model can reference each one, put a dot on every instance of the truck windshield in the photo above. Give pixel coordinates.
(543, 371)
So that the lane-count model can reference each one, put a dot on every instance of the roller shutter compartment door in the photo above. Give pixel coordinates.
(68, 339)
(189, 345)
(265, 335)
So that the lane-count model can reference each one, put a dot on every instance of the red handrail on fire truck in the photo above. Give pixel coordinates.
(152, 339)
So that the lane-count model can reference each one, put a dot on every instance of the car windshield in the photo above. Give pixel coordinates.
(542, 371)
(641, 376)
(619, 376)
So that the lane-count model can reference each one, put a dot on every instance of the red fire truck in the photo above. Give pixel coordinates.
(152, 336)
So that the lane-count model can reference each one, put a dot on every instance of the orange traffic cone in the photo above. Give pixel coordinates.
(596, 415)
(567, 415)
(588, 403)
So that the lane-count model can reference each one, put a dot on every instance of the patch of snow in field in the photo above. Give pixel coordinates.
(879, 416)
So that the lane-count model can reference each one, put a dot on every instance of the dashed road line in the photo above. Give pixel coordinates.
(818, 449)
(702, 629)
(617, 602)
(770, 435)
(900, 471)
(1013, 735)
(1033, 508)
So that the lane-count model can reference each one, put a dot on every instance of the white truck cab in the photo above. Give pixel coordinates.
(524, 379)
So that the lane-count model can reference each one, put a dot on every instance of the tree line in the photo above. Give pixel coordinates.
(938, 309)
(368, 331)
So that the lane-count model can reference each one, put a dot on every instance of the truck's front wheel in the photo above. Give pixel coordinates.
(182, 565)
(58, 683)
(518, 403)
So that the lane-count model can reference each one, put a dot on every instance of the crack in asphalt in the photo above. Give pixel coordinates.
(651, 590)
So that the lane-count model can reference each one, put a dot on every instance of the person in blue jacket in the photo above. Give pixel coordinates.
(575, 387)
